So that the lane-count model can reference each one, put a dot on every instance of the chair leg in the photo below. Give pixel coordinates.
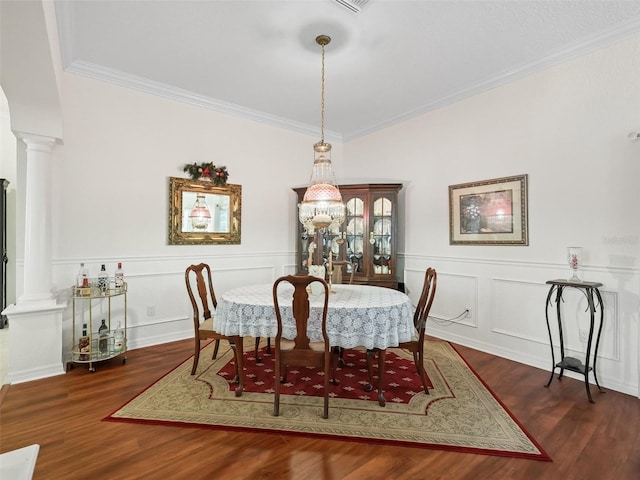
(419, 361)
(327, 366)
(335, 352)
(236, 343)
(370, 355)
(276, 398)
(381, 359)
(341, 356)
(215, 349)
(268, 350)
(255, 351)
(196, 356)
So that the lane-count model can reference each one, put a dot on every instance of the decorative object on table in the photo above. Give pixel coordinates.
(207, 172)
(574, 257)
(202, 213)
(489, 212)
(321, 206)
(460, 414)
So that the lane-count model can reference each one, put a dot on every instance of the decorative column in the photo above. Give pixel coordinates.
(35, 321)
(37, 235)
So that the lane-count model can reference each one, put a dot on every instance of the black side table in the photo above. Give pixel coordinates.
(569, 363)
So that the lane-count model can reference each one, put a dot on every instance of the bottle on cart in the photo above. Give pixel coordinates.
(82, 276)
(119, 277)
(84, 344)
(118, 339)
(103, 279)
(103, 337)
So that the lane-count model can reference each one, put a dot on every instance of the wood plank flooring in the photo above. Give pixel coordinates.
(63, 414)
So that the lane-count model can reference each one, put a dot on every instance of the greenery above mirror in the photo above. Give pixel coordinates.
(202, 213)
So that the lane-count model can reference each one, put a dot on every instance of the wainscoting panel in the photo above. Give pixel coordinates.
(508, 313)
(518, 309)
(454, 294)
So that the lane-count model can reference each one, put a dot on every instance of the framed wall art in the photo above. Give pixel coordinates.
(202, 213)
(489, 212)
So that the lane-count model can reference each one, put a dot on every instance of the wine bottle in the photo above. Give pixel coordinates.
(103, 337)
(82, 274)
(119, 277)
(84, 344)
(103, 279)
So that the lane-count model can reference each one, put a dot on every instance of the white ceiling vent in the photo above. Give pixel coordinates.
(354, 6)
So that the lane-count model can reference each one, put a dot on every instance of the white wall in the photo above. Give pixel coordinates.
(566, 127)
(110, 198)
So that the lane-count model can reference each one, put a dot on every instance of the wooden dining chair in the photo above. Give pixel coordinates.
(416, 344)
(301, 351)
(198, 280)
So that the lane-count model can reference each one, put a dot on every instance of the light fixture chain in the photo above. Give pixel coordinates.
(322, 100)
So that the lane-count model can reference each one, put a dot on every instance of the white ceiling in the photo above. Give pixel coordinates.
(393, 60)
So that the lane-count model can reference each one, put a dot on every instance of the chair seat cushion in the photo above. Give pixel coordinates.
(289, 344)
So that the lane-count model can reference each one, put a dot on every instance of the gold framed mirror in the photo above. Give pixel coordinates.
(201, 213)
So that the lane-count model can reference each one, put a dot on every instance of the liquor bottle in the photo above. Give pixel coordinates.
(103, 337)
(84, 343)
(119, 277)
(118, 339)
(103, 279)
(82, 274)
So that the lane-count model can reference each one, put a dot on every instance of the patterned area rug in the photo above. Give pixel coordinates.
(459, 414)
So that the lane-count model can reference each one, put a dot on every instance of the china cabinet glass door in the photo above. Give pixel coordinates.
(367, 238)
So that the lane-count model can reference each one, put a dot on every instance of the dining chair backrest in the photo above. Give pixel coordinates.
(198, 280)
(300, 307)
(424, 303)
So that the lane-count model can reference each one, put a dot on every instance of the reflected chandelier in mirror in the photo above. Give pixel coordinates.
(201, 213)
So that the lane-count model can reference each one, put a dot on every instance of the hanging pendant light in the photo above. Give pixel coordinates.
(200, 215)
(321, 206)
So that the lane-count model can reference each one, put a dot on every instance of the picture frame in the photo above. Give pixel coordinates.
(201, 213)
(489, 212)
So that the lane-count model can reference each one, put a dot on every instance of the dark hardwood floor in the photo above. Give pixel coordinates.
(63, 414)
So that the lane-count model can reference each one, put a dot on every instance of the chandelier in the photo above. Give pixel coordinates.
(200, 215)
(321, 206)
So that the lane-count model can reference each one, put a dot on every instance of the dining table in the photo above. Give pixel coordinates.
(372, 317)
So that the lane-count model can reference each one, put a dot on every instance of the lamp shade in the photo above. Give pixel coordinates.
(321, 206)
(200, 215)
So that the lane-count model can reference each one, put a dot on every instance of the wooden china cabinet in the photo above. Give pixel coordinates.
(368, 237)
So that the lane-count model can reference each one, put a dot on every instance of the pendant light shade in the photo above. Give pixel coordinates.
(200, 215)
(321, 206)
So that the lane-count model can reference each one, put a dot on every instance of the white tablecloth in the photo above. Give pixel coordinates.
(358, 315)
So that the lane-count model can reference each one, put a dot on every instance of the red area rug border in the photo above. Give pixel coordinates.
(543, 456)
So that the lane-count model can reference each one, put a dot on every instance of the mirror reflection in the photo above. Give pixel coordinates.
(203, 212)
